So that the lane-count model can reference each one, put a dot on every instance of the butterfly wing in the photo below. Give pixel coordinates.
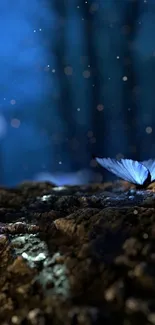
(127, 169)
(150, 165)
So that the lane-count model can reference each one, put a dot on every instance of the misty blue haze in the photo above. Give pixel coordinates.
(77, 79)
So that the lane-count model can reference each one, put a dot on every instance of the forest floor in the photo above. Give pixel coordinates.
(77, 255)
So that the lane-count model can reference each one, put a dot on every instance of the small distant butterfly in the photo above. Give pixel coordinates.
(139, 173)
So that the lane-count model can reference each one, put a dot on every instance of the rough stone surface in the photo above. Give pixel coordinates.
(77, 255)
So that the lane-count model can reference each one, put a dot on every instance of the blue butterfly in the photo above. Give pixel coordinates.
(139, 173)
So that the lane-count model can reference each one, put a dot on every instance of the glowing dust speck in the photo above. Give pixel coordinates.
(125, 78)
(12, 102)
(86, 74)
(15, 123)
(60, 162)
(33, 314)
(100, 107)
(148, 129)
(145, 236)
(15, 320)
(135, 212)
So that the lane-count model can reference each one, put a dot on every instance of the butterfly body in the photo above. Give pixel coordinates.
(146, 183)
(139, 173)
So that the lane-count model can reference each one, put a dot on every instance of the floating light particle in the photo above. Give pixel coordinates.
(148, 130)
(86, 74)
(145, 235)
(40, 29)
(15, 320)
(15, 123)
(78, 109)
(135, 212)
(100, 107)
(125, 78)
(12, 102)
(78, 7)
(60, 162)
(34, 31)
(109, 78)
(68, 70)
(117, 57)
(53, 70)
(33, 314)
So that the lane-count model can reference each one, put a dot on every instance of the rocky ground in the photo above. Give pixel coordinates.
(77, 255)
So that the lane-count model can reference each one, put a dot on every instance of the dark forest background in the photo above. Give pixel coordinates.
(77, 78)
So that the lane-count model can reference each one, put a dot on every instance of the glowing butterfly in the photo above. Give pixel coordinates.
(139, 173)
